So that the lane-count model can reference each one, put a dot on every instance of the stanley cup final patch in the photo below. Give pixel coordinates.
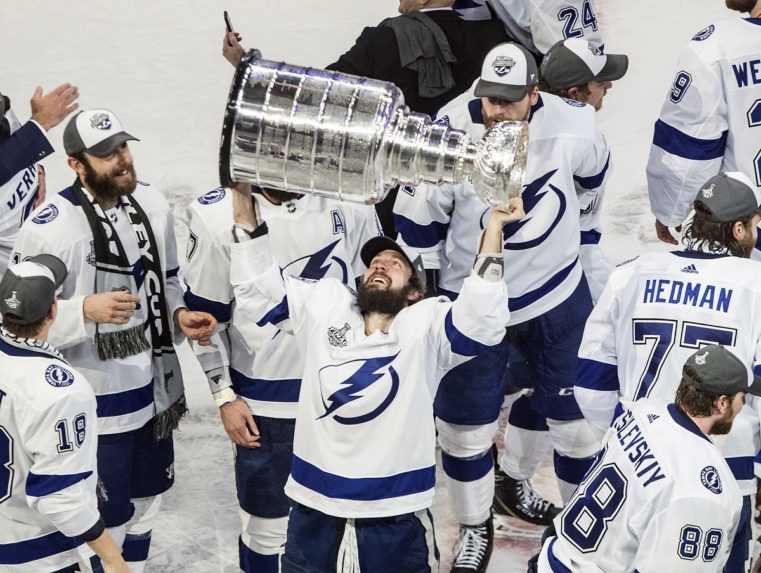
(502, 65)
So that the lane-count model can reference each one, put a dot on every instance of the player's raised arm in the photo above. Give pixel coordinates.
(260, 290)
(479, 316)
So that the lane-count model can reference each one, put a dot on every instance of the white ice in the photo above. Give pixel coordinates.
(157, 64)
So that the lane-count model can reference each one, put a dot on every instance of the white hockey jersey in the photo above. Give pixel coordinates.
(568, 164)
(711, 119)
(646, 506)
(365, 441)
(19, 181)
(653, 314)
(538, 24)
(124, 387)
(48, 467)
(312, 238)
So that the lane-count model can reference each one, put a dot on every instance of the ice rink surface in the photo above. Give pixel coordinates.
(158, 65)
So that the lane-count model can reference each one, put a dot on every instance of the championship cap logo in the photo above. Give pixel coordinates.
(708, 191)
(700, 359)
(13, 302)
(101, 121)
(502, 65)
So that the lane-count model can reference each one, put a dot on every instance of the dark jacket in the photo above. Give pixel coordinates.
(375, 55)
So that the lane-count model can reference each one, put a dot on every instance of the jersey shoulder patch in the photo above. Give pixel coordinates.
(58, 376)
(709, 477)
(46, 215)
(213, 196)
(704, 34)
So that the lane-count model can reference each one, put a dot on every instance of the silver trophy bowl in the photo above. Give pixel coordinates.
(350, 138)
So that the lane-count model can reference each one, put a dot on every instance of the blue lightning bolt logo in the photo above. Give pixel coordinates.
(352, 388)
(532, 194)
(318, 264)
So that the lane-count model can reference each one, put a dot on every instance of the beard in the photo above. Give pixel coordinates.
(741, 5)
(388, 301)
(722, 427)
(106, 187)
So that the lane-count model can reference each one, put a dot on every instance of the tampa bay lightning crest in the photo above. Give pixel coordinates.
(213, 196)
(316, 266)
(58, 376)
(545, 206)
(46, 215)
(709, 477)
(358, 391)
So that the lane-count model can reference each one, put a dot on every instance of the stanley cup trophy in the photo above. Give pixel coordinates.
(349, 138)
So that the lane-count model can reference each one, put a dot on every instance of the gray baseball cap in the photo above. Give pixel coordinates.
(716, 370)
(96, 131)
(507, 73)
(576, 62)
(27, 290)
(728, 197)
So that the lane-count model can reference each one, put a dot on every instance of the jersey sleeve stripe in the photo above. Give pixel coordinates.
(593, 181)
(275, 315)
(219, 310)
(741, 467)
(265, 390)
(590, 237)
(678, 143)
(555, 565)
(596, 375)
(362, 489)
(34, 549)
(461, 343)
(38, 485)
(420, 236)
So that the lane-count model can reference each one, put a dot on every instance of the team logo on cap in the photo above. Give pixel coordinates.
(58, 376)
(709, 477)
(502, 65)
(46, 215)
(708, 191)
(213, 196)
(12, 301)
(101, 121)
(700, 359)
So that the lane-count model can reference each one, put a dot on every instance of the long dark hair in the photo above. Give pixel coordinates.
(703, 233)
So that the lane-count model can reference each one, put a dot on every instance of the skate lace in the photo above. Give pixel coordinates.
(473, 545)
(530, 498)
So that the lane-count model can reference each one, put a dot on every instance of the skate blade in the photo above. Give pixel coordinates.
(513, 528)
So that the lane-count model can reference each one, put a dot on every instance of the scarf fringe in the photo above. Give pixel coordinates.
(169, 420)
(122, 343)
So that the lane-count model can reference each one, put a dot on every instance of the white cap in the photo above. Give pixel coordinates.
(96, 131)
(508, 71)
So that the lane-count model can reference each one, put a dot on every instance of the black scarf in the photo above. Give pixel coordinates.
(114, 272)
